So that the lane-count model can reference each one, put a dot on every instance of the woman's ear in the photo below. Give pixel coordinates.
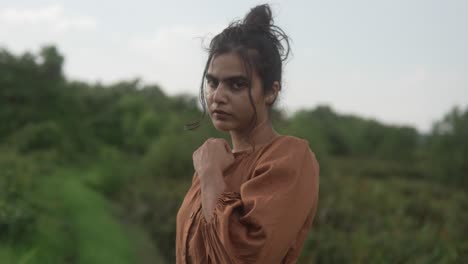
(270, 98)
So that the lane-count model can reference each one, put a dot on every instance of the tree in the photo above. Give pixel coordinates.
(448, 148)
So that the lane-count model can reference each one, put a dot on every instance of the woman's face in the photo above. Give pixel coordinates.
(227, 94)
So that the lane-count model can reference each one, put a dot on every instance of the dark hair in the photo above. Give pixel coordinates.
(259, 43)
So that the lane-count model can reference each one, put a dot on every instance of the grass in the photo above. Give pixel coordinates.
(99, 236)
(76, 225)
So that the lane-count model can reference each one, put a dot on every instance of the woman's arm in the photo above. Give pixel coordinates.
(210, 160)
(212, 186)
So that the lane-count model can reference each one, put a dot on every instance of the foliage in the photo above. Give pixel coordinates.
(390, 220)
(447, 149)
(81, 164)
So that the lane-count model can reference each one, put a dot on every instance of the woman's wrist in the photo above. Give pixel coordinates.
(212, 186)
(209, 172)
(212, 180)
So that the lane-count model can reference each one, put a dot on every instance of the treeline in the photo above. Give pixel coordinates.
(130, 136)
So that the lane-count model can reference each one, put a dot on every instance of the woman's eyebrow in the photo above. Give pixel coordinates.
(229, 78)
(210, 77)
(236, 78)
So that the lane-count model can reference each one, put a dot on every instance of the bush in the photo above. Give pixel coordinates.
(18, 177)
(39, 137)
(112, 172)
(387, 220)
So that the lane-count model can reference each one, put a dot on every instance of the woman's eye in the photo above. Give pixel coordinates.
(238, 85)
(212, 83)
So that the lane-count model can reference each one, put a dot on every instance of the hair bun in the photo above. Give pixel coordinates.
(259, 17)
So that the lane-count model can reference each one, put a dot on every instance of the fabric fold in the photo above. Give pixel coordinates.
(267, 220)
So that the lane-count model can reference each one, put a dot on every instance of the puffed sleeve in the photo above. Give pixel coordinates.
(260, 223)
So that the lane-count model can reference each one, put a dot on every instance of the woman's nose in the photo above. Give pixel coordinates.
(219, 95)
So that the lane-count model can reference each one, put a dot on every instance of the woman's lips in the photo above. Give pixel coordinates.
(220, 114)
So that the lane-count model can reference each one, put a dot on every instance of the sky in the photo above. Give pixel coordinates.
(401, 62)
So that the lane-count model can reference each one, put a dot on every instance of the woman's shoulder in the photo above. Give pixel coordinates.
(287, 146)
(287, 154)
(288, 143)
(289, 139)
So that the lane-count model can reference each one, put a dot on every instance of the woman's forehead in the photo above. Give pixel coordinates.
(226, 64)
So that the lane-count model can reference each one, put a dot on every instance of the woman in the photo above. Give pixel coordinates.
(254, 202)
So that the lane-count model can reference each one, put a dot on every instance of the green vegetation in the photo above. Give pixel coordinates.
(93, 173)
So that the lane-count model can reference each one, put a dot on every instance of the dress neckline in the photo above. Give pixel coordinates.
(257, 147)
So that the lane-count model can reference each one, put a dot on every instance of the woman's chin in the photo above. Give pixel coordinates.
(222, 125)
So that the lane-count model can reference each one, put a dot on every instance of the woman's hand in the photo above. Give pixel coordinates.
(209, 161)
(214, 156)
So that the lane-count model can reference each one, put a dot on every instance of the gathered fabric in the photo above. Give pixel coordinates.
(264, 214)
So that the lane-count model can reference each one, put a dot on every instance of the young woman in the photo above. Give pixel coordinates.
(254, 202)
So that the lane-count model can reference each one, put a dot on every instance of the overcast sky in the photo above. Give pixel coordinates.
(399, 61)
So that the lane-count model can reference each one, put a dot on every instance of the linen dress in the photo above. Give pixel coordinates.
(263, 215)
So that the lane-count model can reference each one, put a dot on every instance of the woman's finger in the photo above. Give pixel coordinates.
(226, 145)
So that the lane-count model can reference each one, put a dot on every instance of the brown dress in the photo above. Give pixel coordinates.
(264, 213)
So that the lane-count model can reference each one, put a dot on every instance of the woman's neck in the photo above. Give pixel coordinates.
(261, 134)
